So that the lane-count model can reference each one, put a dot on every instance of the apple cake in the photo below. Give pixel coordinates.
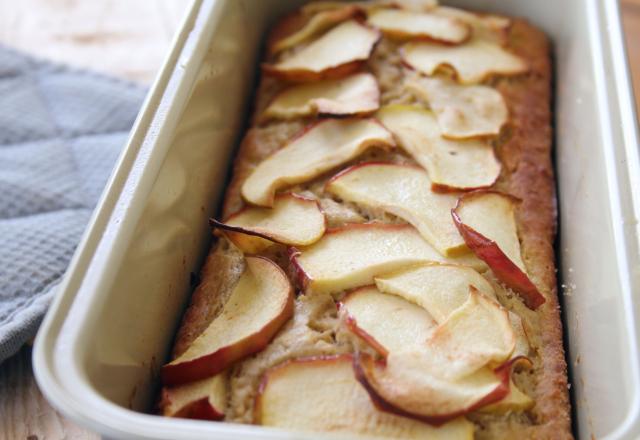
(383, 264)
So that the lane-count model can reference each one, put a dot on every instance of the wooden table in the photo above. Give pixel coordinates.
(109, 36)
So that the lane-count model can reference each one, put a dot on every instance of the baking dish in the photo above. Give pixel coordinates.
(111, 325)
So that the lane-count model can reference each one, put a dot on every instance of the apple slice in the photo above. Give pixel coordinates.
(523, 346)
(322, 394)
(472, 62)
(351, 256)
(410, 384)
(293, 220)
(405, 24)
(319, 148)
(204, 399)
(315, 25)
(476, 334)
(261, 302)
(485, 26)
(385, 322)
(462, 111)
(438, 288)
(451, 164)
(328, 56)
(514, 401)
(353, 95)
(404, 191)
(486, 221)
(442, 288)
(370, 6)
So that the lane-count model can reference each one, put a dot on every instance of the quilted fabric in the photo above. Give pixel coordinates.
(61, 131)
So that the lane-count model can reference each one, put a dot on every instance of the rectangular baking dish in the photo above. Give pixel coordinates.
(112, 322)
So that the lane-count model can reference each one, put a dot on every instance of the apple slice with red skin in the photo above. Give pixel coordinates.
(261, 302)
(439, 288)
(486, 27)
(356, 94)
(406, 24)
(514, 401)
(404, 191)
(486, 221)
(385, 322)
(452, 165)
(322, 394)
(293, 220)
(204, 399)
(298, 28)
(462, 111)
(319, 148)
(369, 6)
(450, 373)
(472, 62)
(328, 57)
(352, 255)
(405, 388)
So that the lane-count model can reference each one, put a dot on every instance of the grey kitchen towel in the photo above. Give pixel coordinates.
(61, 130)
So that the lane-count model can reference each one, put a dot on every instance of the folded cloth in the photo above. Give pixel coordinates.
(61, 130)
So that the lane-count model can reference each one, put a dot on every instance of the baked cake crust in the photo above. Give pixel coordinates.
(524, 148)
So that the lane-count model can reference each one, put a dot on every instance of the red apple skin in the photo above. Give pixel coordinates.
(488, 251)
(302, 280)
(241, 230)
(200, 409)
(364, 362)
(257, 416)
(214, 363)
(352, 325)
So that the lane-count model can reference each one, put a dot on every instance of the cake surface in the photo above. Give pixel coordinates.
(317, 326)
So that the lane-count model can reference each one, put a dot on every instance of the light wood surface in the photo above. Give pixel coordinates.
(128, 38)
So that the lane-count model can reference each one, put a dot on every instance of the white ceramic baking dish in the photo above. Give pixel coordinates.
(112, 323)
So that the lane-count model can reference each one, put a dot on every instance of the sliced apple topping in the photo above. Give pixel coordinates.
(476, 334)
(293, 220)
(316, 24)
(318, 149)
(486, 221)
(451, 164)
(451, 374)
(411, 385)
(406, 24)
(353, 95)
(291, 396)
(462, 111)
(523, 346)
(438, 288)
(404, 191)
(351, 256)
(261, 302)
(514, 401)
(386, 322)
(413, 5)
(472, 62)
(328, 56)
(370, 6)
(442, 288)
(485, 26)
(204, 399)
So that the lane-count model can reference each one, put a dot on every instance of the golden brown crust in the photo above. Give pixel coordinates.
(218, 275)
(529, 176)
(525, 151)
